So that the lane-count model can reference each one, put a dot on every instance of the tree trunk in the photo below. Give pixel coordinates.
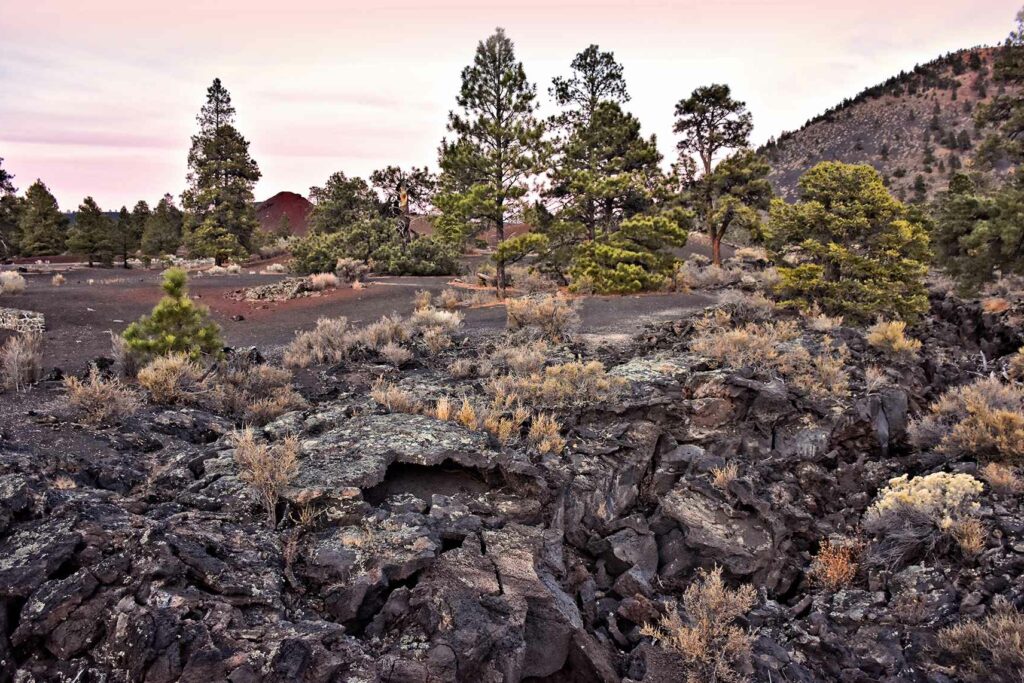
(716, 250)
(499, 269)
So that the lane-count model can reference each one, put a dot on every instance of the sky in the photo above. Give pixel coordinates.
(99, 97)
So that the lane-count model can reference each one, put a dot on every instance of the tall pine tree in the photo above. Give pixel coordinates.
(220, 216)
(92, 234)
(498, 141)
(42, 226)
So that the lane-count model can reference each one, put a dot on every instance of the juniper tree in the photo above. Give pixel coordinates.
(220, 216)
(341, 202)
(42, 226)
(176, 325)
(849, 246)
(498, 139)
(161, 233)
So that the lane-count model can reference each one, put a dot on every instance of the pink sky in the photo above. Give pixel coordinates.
(99, 98)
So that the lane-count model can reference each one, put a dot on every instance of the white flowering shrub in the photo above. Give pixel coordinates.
(942, 497)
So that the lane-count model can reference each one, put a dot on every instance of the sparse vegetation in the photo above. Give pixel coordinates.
(266, 468)
(11, 282)
(890, 337)
(988, 649)
(100, 400)
(551, 316)
(21, 361)
(560, 384)
(711, 646)
(174, 378)
(835, 565)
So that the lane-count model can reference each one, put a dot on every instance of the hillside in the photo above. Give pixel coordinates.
(273, 210)
(916, 124)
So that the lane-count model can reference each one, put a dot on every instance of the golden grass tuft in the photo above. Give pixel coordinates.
(835, 565)
(100, 401)
(1002, 479)
(21, 361)
(989, 649)
(171, 379)
(722, 476)
(545, 434)
(552, 316)
(393, 397)
(891, 338)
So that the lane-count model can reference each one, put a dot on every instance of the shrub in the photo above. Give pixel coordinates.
(874, 378)
(984, 420)
(394, 398)
(525, 359)
(255, 393)
(722, 476)
(1002, 479)
(443, 409)
(176, 325)
(544, 434)
(942, 497)
(851, 247)
(449, 299)
(553, 317)
(890, 337)
(712, 648)
(267, 469)
(317, 253)
(421, 300)
(395, 354)
(1015, 368)
(21, 361)
(328, 342)
(466, 415)
(990, 649)
(835, 565)
(421, 256)
(560, 385)
(746, 306)
(100, 401)
(436, 339)
(11, 282)
(530, 281)
(351, 270)
(425, 318)
(171, 379)
(321, 281)
(819, 322)
(57, 280)
(693, 275)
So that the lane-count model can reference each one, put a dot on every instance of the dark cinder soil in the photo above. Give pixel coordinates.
(79, 315)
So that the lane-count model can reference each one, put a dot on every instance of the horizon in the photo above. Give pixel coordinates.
(317, 90)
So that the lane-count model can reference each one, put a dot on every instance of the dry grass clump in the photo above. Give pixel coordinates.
(421, 300)
(466, 415)
(553, 317)
(1015, 369)
(990, 649)
(395, 355)
(1002, 479)
(462, 368)
(267, 469)
(100, 401)
(426, 318)
(321, 281)
(692, 275)
(328, 342)
(774, 347)
(995, 305)
(172, 379)
(351, 270)
(57, 280)
(21, 361)
(443, 409)
(11, 282)
(751, 254)
(874, 378)
(711, 646)
(969, 534)
(530, 281)
(816, 320)
(520, 359)
(389, 329)
(254, 393)
(722, 476)
(747, 305)
(126, 362)
(393, 397)
(890, 337)
(436, 339)
(983, 420)
(449, 299)
(565, 384)
(835, 565)
(545, 434)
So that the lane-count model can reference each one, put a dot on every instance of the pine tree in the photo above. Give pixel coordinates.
(91, 235)
(712, 122)
(10, 213)
(732, 196)
(161, 233)
(220, 216)
(859, 252)
(126, 234)
(978, 234)
(498, 141)
(284, 227)
(176, 325)
(42, 226)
